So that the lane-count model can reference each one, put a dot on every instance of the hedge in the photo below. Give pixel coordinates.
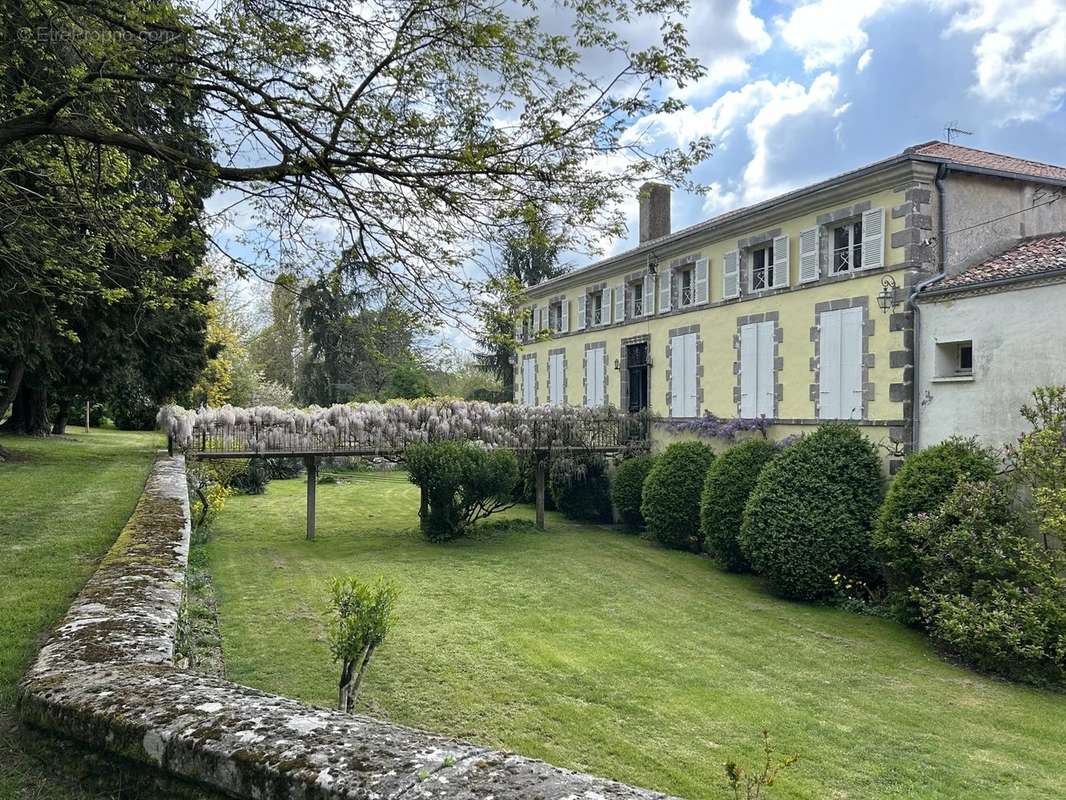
(809, 516)
(729, 482)
(670, 501)
(627, 487)
(580, 489)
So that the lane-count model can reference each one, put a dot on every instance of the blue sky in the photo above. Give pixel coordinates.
(796, 92)
(799, 91)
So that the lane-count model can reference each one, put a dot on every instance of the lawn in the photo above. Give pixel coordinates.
(598, 651)
(63, 501)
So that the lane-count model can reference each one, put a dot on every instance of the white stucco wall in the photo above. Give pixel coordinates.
(1019, 343)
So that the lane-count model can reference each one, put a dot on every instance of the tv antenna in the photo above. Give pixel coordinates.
(952, 131)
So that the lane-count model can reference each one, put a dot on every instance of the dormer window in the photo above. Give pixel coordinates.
(762, 268)
(847, 248)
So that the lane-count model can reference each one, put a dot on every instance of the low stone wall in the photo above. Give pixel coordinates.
(106, 678)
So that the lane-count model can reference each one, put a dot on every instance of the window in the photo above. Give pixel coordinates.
(595, 363)
(687, 287)
(840, 345)
(757, 390)
(954, 360)
(529, 381)
(762, 268)
(596, 308)
(636, 294)
(683, 375)
(556, 379)
(847, 248)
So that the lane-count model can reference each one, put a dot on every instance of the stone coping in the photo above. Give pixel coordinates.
(106, 678)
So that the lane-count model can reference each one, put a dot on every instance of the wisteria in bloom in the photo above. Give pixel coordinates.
(712, 426)
(392, 426)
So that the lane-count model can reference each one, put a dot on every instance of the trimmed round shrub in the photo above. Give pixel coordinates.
(809, 516)
(670, 501)
(922, 484)
(729, 482)
(627, 486)
(580, 489)
(991, 596)
(463, 484)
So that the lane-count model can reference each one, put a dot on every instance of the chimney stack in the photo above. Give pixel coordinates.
(654, 211)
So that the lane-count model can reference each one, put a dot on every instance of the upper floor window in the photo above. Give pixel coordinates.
(687, 284)
(847, 248)
(636, 294)
(555, 317)
(762, 268)
(595, 308)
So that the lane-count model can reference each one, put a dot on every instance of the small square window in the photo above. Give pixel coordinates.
(954, 360)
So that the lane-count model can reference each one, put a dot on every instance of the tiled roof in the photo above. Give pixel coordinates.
(969, 157)
(1029, 258)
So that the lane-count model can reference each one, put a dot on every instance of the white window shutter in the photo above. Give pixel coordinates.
(702, 279)
(665, 279)
(731, 275)
(677, 374)
(620, 303)
(582, 300)
(829, 395)
(873, 238)
(851, 364)
(781, 262)
(749, 371)
(648, 297)
(564, 316)
(808, 255)
(690, 375)
(764, 405)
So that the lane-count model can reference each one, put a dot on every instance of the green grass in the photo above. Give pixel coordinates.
(597, 651)
(63, 501)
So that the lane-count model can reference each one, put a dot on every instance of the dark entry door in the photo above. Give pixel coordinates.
(637, 365)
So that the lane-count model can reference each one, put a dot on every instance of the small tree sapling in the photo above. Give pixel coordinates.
(361, 616)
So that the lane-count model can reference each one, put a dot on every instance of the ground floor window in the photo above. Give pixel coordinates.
(840, 348)
(683, 394)
(757, 389)
(529, 381)
(595, 369)
(556, 379)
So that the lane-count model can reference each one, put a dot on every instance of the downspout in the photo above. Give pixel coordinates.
(912, 300)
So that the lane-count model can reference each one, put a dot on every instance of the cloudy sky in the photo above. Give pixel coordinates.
(795, 92)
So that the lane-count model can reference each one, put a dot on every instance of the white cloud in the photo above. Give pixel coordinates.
(723, 35)
(1019, 55)
(1019, 46)
(827, 32)
(718, 200)
(790, 101)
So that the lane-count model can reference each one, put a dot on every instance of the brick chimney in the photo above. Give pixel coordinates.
(654, 211)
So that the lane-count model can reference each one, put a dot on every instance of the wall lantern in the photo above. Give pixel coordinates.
(886, 299)
(653, 263)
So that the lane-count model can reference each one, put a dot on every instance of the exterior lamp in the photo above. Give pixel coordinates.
(886, 299)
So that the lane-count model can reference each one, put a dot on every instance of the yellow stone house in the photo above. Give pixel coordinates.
(795, 309)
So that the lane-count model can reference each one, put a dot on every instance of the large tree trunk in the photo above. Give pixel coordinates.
(59, 424)
(29, 411)
(14, 381)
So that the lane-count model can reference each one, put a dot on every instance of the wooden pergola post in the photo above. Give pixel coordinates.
(311, 462)
(542, 466)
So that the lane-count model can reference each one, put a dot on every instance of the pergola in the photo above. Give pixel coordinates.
(375, 430)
